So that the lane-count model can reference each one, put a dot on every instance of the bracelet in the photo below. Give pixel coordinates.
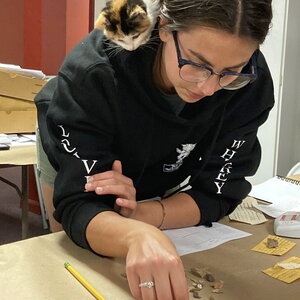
(163, 212)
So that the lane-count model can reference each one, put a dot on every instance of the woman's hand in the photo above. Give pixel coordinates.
(152, 257)
(115, 183)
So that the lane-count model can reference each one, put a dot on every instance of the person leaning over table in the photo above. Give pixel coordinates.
(130, 126)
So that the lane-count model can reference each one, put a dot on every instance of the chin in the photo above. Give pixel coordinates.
(186, 97)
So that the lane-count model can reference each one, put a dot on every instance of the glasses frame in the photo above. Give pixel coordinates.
(182, 62)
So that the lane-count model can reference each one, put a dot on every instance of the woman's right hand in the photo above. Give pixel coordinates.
(153, 257)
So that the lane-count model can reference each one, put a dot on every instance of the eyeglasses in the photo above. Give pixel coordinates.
(194, 72)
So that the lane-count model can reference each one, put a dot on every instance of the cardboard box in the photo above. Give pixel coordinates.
(17, 109)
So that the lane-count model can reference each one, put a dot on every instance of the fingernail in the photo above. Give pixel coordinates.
(120, 201)
(90, 179)
(88, 185)
(99, 189)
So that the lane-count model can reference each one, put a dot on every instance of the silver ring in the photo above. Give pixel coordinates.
(148, 284)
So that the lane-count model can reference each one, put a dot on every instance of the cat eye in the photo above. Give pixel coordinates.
(136, 36)
(194, 72)
(120, 40)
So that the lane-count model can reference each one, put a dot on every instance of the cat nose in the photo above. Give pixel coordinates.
(132, 47)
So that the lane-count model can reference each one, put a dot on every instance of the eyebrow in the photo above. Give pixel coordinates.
(205, 61)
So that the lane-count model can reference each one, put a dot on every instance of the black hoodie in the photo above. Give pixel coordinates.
(104, 106)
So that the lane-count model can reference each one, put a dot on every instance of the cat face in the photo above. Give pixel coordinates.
(126, 22)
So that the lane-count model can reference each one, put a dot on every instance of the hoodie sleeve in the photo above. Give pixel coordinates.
(77, 144)
(221, 185)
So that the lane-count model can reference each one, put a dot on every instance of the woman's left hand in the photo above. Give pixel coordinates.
(115, 183)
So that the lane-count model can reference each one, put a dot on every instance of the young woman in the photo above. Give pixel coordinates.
(126, 127)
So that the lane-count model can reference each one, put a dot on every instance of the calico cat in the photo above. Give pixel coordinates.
(128, 23)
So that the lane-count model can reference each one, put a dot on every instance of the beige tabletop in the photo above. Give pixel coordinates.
(18, 156)
(34, 269)
(21, 156)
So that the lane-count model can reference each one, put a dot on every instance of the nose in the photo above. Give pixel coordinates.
(209, 86)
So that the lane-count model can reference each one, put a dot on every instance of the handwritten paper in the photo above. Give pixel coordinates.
(283, 246)
(199, 238)
(247, 213)
(285, 274)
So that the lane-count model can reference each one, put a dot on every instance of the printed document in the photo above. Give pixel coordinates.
(199, 238)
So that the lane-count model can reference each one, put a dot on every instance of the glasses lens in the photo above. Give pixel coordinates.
(234, 82)
(193, 73)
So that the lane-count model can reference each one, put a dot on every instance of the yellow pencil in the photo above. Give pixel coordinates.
(83, 282)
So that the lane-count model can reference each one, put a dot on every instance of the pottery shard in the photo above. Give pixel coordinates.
(200, 272)
(196, 295)
(272, 243)
(217, 284)
(209, 277)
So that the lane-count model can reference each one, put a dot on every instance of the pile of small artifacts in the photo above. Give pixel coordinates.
(204, 277)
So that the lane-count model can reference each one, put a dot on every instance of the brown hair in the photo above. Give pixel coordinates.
(246, 18)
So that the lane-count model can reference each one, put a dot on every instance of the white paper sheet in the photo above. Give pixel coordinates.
(18, 140)
(275, 190)
(200, 238)
(288, 203)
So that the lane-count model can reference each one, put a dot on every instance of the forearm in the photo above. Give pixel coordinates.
(180, 211)
(110, 234)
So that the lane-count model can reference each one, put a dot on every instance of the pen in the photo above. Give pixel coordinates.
(83, 282)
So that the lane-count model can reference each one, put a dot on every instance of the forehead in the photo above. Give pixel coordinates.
(217, 46)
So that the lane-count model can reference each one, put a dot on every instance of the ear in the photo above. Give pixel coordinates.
(162, 21)
(102, 22)
(163, 33)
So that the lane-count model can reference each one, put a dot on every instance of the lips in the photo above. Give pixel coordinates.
(194, 95)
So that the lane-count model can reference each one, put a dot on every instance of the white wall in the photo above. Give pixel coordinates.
(280, 136)
(99, 4)
(289, 121)
(273, 49)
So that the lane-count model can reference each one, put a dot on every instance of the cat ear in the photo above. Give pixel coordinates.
(102, 22)
(138, 14)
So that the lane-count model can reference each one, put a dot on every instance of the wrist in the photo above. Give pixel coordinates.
(139, 233)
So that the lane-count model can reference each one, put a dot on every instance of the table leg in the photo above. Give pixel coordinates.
(40, 195)
(24, 202)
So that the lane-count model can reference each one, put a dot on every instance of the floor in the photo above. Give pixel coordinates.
(10, 211)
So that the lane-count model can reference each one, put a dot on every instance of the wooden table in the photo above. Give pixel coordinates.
(34, 269)
(20, 156)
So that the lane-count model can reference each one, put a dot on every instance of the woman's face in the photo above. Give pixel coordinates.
(214, 48)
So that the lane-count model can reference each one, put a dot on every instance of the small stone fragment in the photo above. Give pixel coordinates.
(196, 295)
(200, 272)
(272, 243)
(209, 277)
(217, 284)
(197, 285)
(194, 290)
(197, 281)
(217, 291)
(124, 275)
